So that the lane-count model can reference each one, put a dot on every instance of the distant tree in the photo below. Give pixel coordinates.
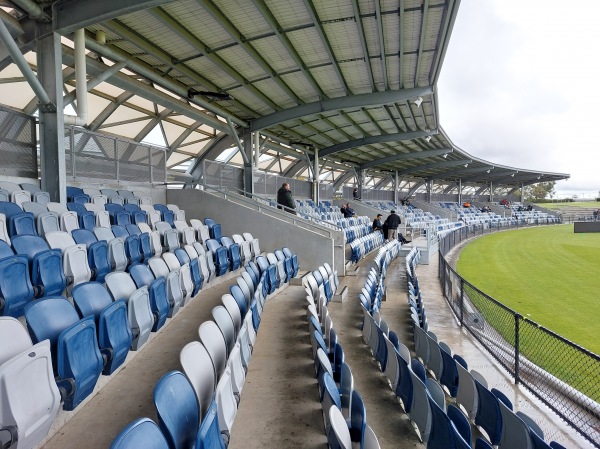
(539, 191)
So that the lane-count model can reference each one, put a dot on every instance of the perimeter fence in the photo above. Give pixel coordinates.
(562, 374)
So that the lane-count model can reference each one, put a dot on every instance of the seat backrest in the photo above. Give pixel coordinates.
(141, 275)
(35, 208)
(60, 240)
(69, 221)
(103, 233)
(133, 229)
(197, 365)
(109, 192)
(76, 207)
(48, 317)
(9, 186)
(84, 236)
(515, 433)
(226, 326)
(119, 231)
(29, 245)
(339, 436)
(90, 298)
(14, 337)
(234, 311)
(177, 410)
(120, 285)
(57, 207)
(31, 188)
(209, 434)
(158, 267)
(4, 235)
(212, 339)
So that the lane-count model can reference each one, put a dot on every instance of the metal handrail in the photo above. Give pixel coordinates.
(285, 216)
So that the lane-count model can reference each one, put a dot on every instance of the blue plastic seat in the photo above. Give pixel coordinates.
(461, 423)
(404, 389)
(76, 207)
(5, 250)
(441, 435)
(72, 191)
(146, 246)
(358, 419)
(122, 218)
(209, 434)
(133, 229)
(131, 208)
(219, 256)
(159, 304)
(9, 209)
(449, 377)
(87, 220)
(77, 360)
(81, 198)
(238, 295)
(16, 290)
(177, 409)
(119, 231)
(488, 415)
(22, 224)
(195, 272)
(169, 217)
(142, 433)
(233, 253)
(139, 216)
(114, 334)
(112, 210)
(214, 229)
(98, 258)
(133, 249)
(161, 207)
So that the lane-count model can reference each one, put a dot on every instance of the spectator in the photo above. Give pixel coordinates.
(466, 204)
(355, 194)
(348, 211)
(596, 214)
(285, 200)
(343, 210)
(377, 224)
(392, 222)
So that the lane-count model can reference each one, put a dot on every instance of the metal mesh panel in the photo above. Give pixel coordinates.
(18, 155)
(134, 163)
(260, 187)
(558, 371)
(158, 164)
(94, 155)
(325, 191)
(223, 175)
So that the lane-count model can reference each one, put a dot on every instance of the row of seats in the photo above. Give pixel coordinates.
(103, 196)
(357, 231)
(21, 193)
(364, 245)
(424, 397)
(344, 412)
(197, 409)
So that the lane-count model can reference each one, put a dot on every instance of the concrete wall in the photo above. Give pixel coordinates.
(273, 232)
(586, 226)
(434, 209)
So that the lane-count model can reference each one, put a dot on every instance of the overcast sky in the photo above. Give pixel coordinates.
(520, 86)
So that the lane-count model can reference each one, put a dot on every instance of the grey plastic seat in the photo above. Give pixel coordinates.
(103, 233)
(174, 290)
(435, 363)
(120, 285)
(185, 276)
(436, 392)
(392, 370)
(91, 191)
(346, 389)
(31, 188)
(245, 290)
(10, 187)
(248, 280)
(140, 317)
(339, 428)
(47, 222)
(187, 235)
(420, 412)
(109, 192)
(367, 324)
(75, 258)
(202, 233)
(57, 207)
(99, 199)
(30, 398)
(35, 208)
(146, 200)
(116, 254)
(145, 228)
(515, 432)
(214, 342)
(156, 243)
(374, 336)
(254, 244)
(152, 217)
(370, 439)
(4, 195)
(116, 200)
(223, 319)
(4, 229)
(234, 311)
(245, 250)
(125, 193)
(238, 374)
(280, 268)
(404, 352)
(466, 395)
(198, 368)
(421, 345)
(41, 197)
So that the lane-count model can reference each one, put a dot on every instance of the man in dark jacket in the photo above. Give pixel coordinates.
(377, 225)
(393, 221)
(284, 198)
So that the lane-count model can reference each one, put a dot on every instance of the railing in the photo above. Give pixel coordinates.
(101, 156)
(563, 375)
(246, 200)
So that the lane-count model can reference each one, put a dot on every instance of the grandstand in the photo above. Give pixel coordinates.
(152, 294)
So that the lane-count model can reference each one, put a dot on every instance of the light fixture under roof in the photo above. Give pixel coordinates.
(466, 165)
(220, 96)
(418, 101)
(427, 139)
(445, 155)
(488, 171)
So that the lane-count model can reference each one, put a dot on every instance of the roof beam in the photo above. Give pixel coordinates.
(363, 42)
(71, 15)
(406, 156)
(373, 139)
(484, 177)
(381, 44)
(421, 41)
(459, 172)
(335, 104)
(433, 166)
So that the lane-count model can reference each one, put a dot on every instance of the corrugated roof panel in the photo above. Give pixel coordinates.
(242, 62)
(412, 30)
(328, 80)
(272, 90)
(333, 9)
(393, 67)
(367, 6)
(357, 76)
(409, 66)
(176, 159)
(273, 51)
(425, 68)
(212, 72)
(199, 22)
(289, 13)
(300, 85)
(142, 103)
(309, 46)
(245, 17)
(242, 94)
(391, 35)
(344, 39)
(371, 32)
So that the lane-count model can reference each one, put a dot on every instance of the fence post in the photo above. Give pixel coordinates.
(517, 344)
(462, 300)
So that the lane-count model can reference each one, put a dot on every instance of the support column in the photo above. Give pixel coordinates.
(460, 192)
(522, 193)
(429, 189)
(360, 180)
(248, 169)
(256, 136)
(396, 186)
(52, 125)
(491, 191)
(316, 174)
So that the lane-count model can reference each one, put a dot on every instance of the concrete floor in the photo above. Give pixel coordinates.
(279, 407)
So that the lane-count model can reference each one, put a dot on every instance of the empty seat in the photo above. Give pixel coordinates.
(214, 342)
(121, 286)
(16, 290)
(20, 196)
(209, 434)
(254, 244)
(119, 231)
(174, 291)
(225, 323)
(4, 236)
(75, 257)
(31, 188)
(57, 207)
(220, 256)
(214, 228)
(198, 367)
(4, 195)
(133, 249)
(114, 335)
(22, 224)
(157, 288)
(41, 197)
(30, 398)
(73, 191)
(142, 432)
(69, 221)
(194, 267)
(76, 358)
(97, 250)
(35, 208)
(185, 276)
(226, 404)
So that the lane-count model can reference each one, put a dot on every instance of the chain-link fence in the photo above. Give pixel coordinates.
(560, 373)
(100, 156)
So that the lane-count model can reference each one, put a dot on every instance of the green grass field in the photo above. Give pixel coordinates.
(547, 274)
(558, 206)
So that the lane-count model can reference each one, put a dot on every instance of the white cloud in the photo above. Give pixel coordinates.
(520, 86)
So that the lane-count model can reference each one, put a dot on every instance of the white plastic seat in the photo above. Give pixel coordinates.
(180, 225)
(103, 233)
(245, 290)
(4, 229)
(212, 339)
(234, 311)
(280, 268)
(47, 222)
(174, 291)
(120, 285)
(91, 191)
(466, 395)
(20, 196)
(238, 375)
(69, 221)
(57, 207)
(225, 323)
(99, 200)
(226, 403)
(339, 427)
(116, 254)
(198, 368)
(245, 249)
(254, 244)
(30, 398)
(202, 234)
(185, 276)
(152, 217)
(144, 227)
(392, 370)
(145, 200)
(180, 215)
(156, 243)
(9, 186)
(75, 258)
(246, 277)
(370, 439)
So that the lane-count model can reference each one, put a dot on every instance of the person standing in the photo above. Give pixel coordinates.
(392, 222)
(355, 193)
(285, 200)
